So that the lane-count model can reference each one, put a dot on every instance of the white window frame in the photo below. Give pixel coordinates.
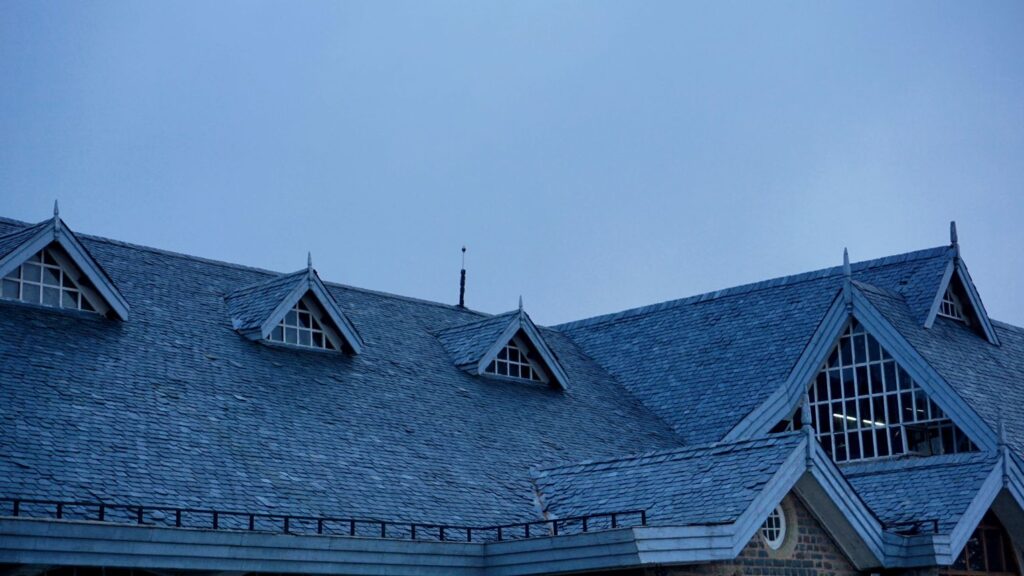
(73, 290)
(320, 324)
(860, 379)
(523, 350)
(773, 531)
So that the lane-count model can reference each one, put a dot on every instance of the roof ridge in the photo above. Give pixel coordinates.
(1006, 325)
(749, 288)
(745, 443)
(473, 323)
(235, 266)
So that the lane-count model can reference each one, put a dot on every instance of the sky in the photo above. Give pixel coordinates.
(593, 156)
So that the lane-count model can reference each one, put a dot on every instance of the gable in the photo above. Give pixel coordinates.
(957, 299)
(50, 247)
(508, 345)
(284, 310)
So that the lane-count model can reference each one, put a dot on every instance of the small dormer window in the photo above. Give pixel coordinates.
(48, 278)
(513, 361)
(950, 306)
(302, 326)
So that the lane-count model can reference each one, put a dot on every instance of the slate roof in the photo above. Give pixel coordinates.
(703, 363)
(467, 343)
(921, 489)
(174, 407)
(710, 484)
(251, 306)
(11, 239)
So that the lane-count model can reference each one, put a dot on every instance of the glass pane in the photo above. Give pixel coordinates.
(69, 299)
(277, 334)
(51, 277)
(14, 274)
(51, 296)
(30, 293)
(32, 272)
(503, 368)
(305, 320)
(10, 289)
(48, 258)
(86, 305)
(304, 338)
(291, 335)
(291, 319)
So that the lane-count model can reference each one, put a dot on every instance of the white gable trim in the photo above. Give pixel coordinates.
(783, 403)
(522, 322)
(58, 232)
(311, 284)
(957, 267)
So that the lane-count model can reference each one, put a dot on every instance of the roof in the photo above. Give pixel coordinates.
(174, 407)
(942, 487)
(703, 363)
(251, 306)
(468, 342)
(710, 484)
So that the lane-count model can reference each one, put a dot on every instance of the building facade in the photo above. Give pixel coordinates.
(162, 413)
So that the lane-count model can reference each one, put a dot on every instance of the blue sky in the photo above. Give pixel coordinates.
(594, 156)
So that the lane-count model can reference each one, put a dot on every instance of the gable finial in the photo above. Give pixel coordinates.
(952, 233)
(56, 209)
(462, 280)
(309, 259)
(847, 281)
(520, 302)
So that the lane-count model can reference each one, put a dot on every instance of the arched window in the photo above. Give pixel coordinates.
(864, 405)
(987, 552)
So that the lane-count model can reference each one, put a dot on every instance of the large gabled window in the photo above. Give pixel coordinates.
(864, 405)
(513, 361)
(303, 326)
(49, 278)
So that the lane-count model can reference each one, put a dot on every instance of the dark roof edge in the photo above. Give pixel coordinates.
(235, 266)
(835, 271)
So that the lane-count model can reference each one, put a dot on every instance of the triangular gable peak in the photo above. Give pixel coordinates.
(935, 419)
(46, 264)
(293, 309)
(505, 346)
(958, 299)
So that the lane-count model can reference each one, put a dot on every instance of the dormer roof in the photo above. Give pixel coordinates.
(256, 309)
(474, 346)
(18, 247)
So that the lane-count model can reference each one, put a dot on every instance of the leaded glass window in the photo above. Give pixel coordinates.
(863, 405)
(301, 326)
(48, 278)
(950, 306)
(513, 361)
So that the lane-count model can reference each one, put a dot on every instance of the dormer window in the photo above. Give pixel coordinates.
(302, 326)
(48, 278)
(514, 361)
(950, 306)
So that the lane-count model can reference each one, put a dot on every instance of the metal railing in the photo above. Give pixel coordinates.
(179, 517)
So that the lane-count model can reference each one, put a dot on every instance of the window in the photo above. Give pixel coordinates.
(863, 405)
(950, 306)
(301, 326)
(773, 531)
(513, 361)
(48, 278)
(987, 552)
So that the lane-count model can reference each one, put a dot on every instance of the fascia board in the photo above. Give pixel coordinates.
(348, 331)
(933, 311)
(930, 381)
